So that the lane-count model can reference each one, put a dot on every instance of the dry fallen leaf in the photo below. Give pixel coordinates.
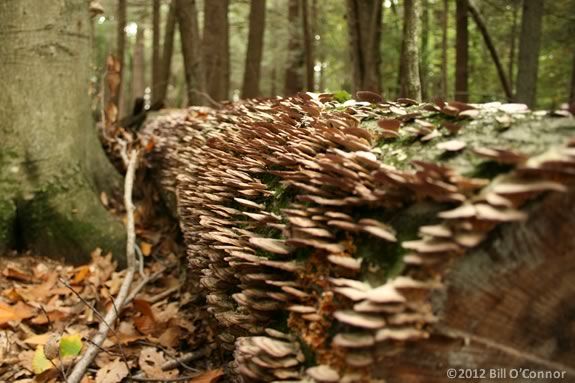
(151, 361)
(15, 312)
(209, 376)
(112, 373)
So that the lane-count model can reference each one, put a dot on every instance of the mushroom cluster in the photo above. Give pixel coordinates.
(272, 196)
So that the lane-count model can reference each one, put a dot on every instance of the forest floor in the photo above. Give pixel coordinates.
(47, 305)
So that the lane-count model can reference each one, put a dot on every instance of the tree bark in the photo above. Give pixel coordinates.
(308, 39)
(364, 18)
(424, 66)
(572, 88)
(215, 48)
(461, 52)
(187, 17)
(52, 167)
(252, 70)
(295, 66)
(491, 47)
(120, 52)
(156, 71)
(138, 66)
(444, 29)
(167, 53)
(529, 44)
(512, 45)
(411, 31)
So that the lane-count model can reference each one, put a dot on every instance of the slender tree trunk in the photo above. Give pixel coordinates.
(215, 47)
(572, 90)
(52, 166)
(364, 28)
(273, 85)
(491, 47)
(187, 17)
(295, 66)
(252, 70)
(444, 47)
(512, 46)
(138, 70)
(411, 30)
(424, 67)
(167, 53)
(156, 74)
(120, 52)
(461, 52)
(529, 44)
(308, 46)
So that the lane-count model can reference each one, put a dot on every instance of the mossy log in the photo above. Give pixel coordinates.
(364, 240)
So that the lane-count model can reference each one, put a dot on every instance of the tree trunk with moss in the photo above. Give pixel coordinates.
(52, 167)
(385, 241)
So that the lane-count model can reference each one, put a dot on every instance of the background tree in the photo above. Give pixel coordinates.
(529, 44)
(138, 66)
(410, 60)
(461, 52)
(364, 18)
(52, 167)
(116, 98)
(167, 52)
(308, 39)
(295, 66)
(252, 71)
(156, 72)
(215, 49)
(187, 16)
(444, 27)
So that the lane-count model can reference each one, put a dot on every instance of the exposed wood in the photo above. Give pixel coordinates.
(216, 50)
(187, 17)
(461, 52)
(411, 31)
(491, 47)
(364, 18)
(254, 52)
(156, 63)
(529, 44)
(295, 65)
(167, 52)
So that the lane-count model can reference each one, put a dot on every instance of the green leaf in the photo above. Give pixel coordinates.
(39, 362)
(342, 96)
(70, 345)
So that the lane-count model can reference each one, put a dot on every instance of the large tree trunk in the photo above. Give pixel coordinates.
(529, 43)
(364, 29)
(156, 70)
(295, 66)
(491, 47)
(187, 16)
(52, 167)
(167, 53)
(453, 254)
(216, 50)
(461, 52)
(410, 61)
(253, 65)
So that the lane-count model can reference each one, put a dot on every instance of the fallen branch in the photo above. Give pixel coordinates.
(82, 365)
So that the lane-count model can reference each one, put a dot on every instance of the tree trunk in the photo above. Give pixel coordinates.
(216, 51)
(491, 47)
(167, 53)
(295, 66)
(529, 43)
(138, 69)
(444, 29)
(187, 17)
(411, 31)
(364, 28)
(116, 99)
(308, 39)
(461, 52)
(424, 67)
(572, 88)
(252, 70)
(52, 167)
(512, 45)
(377, 268)
(156, 71)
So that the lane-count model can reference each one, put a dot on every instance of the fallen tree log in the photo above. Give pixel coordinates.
(372, 240)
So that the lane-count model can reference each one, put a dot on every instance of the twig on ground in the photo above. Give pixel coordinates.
(188, 357)
(82, 365)
(141, 285)
(175, 379)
